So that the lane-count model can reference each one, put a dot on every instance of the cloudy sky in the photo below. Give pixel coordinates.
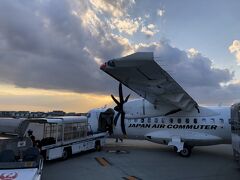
(50, 50)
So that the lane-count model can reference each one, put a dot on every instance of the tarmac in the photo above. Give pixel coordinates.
(143, 160)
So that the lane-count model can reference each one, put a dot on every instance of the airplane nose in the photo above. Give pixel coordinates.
(103, 66)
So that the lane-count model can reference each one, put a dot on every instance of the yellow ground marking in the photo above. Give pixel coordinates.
(102, 161)
(131, 178)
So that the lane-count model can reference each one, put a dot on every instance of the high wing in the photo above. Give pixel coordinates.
(143, 75)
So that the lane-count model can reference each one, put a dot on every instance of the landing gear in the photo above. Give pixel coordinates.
(186, 152)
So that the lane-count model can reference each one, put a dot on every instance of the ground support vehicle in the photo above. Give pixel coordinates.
(61, 137)
(20, 160)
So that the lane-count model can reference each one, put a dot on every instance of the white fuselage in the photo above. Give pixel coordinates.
(143, 121)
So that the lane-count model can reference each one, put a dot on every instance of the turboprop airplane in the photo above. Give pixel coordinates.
(166, 113)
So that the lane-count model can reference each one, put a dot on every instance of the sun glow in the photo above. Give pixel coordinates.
(30, 99)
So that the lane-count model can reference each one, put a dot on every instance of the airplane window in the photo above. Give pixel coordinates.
(195, 121)
(204, 120)
(142, 120)
(213, 120)
(187, 121)
(179, 120)
(135, 120)
(171, 120)
(149, 120)
(229, 121)
(163, 120)
(156, 120)
(221, 120)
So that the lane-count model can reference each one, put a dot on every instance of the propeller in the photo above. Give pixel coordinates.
(119, 108)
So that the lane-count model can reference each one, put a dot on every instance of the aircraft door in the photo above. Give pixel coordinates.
(105, 121)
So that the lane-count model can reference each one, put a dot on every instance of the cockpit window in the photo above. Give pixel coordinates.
(111, 63)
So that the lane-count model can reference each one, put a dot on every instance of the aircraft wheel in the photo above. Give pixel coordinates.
(186, 152)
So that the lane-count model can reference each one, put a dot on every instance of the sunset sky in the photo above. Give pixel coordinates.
(50, 50)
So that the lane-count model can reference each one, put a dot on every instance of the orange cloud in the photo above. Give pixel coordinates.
(235, 48)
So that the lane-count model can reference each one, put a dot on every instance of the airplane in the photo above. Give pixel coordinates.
(165, 113)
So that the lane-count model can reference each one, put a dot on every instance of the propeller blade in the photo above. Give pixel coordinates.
(115, 100)
(126, 99)
(120, 93)
(123, 123)
(116, 119)
(119, 108)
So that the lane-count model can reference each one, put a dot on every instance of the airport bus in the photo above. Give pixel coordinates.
(235, 128)
(61, 137)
